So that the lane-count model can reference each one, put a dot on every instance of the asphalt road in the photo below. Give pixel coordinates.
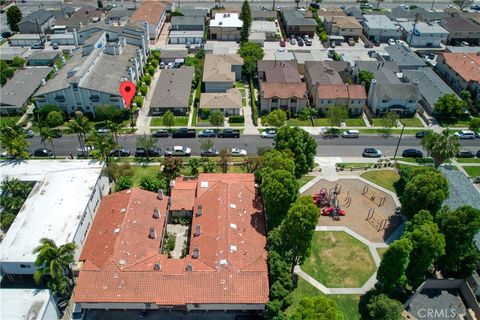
(326, 147)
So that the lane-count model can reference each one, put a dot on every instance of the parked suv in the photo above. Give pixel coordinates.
(465, 153)
(153, 152)
(465, 134)
(184, 133)
(178, 151)
(371, 153)
(350, 134)
(161, 134)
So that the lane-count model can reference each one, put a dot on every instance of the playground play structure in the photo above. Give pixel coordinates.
(329, 203)
(375, 217)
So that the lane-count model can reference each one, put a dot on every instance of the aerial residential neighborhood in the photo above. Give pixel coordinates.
(239, 160)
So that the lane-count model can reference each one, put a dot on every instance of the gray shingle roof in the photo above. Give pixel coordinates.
(23, 84)
(41, 15)
(264, 14)
(400, 91)
(173, 88)
(190, 11)
(401, 13)
(187, 21)
(43, 55)
(279, 71)
(457, 23)
(174, 54)
(296, 18)
(354, 12)
(404, 57)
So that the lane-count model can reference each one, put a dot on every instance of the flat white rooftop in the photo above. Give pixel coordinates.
(228, 20)
(28, 304)
(54, 207)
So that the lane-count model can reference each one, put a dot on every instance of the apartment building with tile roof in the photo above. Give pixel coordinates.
(220, 71)
(352, 96)
(152, 14)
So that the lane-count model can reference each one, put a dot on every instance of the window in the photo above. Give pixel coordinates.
(411, 101)
(25, 266)
(95, 98)
(75, 86)
(385, 101)
(60, 98)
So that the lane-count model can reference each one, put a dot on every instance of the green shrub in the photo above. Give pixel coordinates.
(152, 183)
(147, 79)
(170, 243)
(143, 90)
(154, 63)
(253, 104)
(184, 221)
(138, 100)
(236, 119)
(204, 113)
(156, 54)
(151, 70)
(123, 183)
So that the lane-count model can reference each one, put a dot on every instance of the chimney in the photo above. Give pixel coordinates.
(156, 213)
(152, 234)
(156, 267)
(416, 82)
(196, 253)
(172, 184)
(160, 194)
(199, 210)
(188, 267)
(197, 230)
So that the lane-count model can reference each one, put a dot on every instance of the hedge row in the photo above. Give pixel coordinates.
(236, 119)
(253, 104)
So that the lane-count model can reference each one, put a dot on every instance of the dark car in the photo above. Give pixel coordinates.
(371, 153)
(42, 152)
(209, 153)
(28, 133)
(465, 154)
(412, 153)
(6, 34)
(184, 133)
(300, 42)
(122, 152)
(208, 133)
(142, 152)
(37, 46)
(422, 134)
(161, 134)
(376, 43)
(229, 133)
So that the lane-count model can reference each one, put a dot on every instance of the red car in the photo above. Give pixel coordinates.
(282, 43)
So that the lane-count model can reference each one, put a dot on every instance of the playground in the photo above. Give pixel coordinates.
(361, 207)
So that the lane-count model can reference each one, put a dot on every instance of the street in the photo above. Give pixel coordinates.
(326, 147)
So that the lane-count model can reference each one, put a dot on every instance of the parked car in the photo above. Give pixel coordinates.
(42, 152)
(366, 6)
(6, 34)
(153, 152)
(269, 133)
(293, 41)
(422, 134)
(85, 152)
(351, 42)
(412, 153)
(465, 134)
(28, 133)
(376, 43)
(331, 53)
(391, 42)
(56, 133)
(351, 134)
(102, 131)
(478, 154)
(300, 42)
(162, 65)
(37, 46)
(229, 133)
(208, 133)
(55, 46)
(308, 42)
(238, 152)
(371, 153)
(465, 153)
(184, 133)
(161, 133)
(282, 43)
(209, 153)
(121, 152)
(178, 151)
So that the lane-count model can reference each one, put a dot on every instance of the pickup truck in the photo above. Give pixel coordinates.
(178, 151)
(229, 133)
(184, 133)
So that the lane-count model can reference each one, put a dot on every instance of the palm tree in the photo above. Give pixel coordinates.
(80, 125)
(114, 128)
(441, 146)
(13, 187)
(53, 263)
(103, 145)
(13, 140)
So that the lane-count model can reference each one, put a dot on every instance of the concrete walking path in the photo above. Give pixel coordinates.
(247, 114)
(143, 119)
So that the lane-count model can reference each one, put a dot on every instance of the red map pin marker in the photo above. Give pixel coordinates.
(127, 90)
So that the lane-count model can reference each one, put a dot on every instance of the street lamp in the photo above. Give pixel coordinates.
(398, 143)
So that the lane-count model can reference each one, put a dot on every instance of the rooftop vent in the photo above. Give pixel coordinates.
(188, 267)
(156, 213)
(156, 266)
(199, 210)
(197, 230)
(123, 210)
(160, 194)
(152, 234)
(196, 253)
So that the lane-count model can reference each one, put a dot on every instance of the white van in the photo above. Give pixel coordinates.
(465, 134)
(350, 134)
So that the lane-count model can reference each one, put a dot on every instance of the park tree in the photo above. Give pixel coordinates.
(389, 121)
(425, 191)
(103, 145)
(53, 265)
(13, 141)
(246, 17)
(168, 119)
(251, 163)
(300, 144)
(279, 191)
(449, 106)
(428, 245)
(459, 227)
(467, 97)
(274, 160)
(251, 52)
(216, 119)
(336, 115)
(317, 307)
(382, 307)
(463, 3)
(206, 144)
(194, 164)
(108, 112)
(276, 118)
(208, 165)
(366, 77)
(147, 143)
(391, 273)
(474, 124)
(172, 166)
(153, 183)
(54, 119)
(441, 146)
(123, 183)
(14, 16)
(223, 159)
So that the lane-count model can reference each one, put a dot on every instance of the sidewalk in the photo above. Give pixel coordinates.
(247, 114)
(143, 120)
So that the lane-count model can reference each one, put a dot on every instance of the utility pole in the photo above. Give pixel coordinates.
(433, 4)
(398, 143)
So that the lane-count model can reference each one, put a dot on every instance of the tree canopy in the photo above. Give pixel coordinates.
(382, 307)
(276, 118)
(110, 112)
(449, 106)
(246, 17)
(336, 115)
(251, 52)
(367, 77)
(216, 118)
(168, 119)
(274, 160)
(317, 308)
(54, 119)
(14, 16)
(13, 141)
(441, 146)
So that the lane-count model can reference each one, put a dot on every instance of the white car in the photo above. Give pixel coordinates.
(270, 133)
(391, 42)
(465, 134)
(350, 134)
(238, 152)
(178, 151)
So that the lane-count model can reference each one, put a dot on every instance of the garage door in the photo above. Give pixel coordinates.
(181, 40)
(173, 40)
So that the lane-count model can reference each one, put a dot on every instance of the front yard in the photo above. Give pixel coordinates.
(472, 171)
(180, 121)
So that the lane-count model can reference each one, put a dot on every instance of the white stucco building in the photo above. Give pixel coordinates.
(424, 34)
(31, 304)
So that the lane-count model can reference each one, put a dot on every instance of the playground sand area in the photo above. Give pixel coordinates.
(361, 201)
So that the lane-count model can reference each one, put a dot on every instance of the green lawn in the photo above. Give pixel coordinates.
(347, 303)
(338, 260)
(355, 122)
(416, 160)
(377, 122)
(392, 131)
(304, 180)
(468, 160)
(299, 123)
(237, 124)
(348, 165)
(411, 122)
(384, 178)
(141, 171)
(454, 123)
(7, 120)
(472, 171)
(179, 121)
(194, 118)
(321, 122)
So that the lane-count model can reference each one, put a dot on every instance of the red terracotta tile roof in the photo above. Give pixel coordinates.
(283, 90)
(232, 263)
(183, 194)
(467, 65)
(150, 11)
(341, 91)
(356, 91)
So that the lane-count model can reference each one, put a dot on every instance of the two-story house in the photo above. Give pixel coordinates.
(220, 71)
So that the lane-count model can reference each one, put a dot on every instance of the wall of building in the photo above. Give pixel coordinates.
(224, 33)
(217, 86)
(295, 105)
(31, 27)
(381, 35)
(184, 40)
(51, 311)
(188, 307)
(426, 39)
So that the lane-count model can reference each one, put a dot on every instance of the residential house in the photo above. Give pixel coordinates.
(71, 192)
(380, 28)
(355, 12)
(119, 15)
(37, 21)
(348, 27)
(227, 274)
(405, 57)
(302, 57)
(328, 12)
(43, 58)
(16, 93)
(188, 11)
(220, 71)
(153, 14)
(422, 34)
(82, 17)
(431, 86)
(402, 14)
(93, 74)
(325, 73)
(182, 199)
(187, 29)
(170, 55)
(8, 53)
(225, 26)
(261, 14)
(26, 39)
(37, 304)
(172, 91)
(461, 28)
(352, 96)
(295, 23)
(461, 70)
(229, 102)
(268, 28)
(281, 86)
